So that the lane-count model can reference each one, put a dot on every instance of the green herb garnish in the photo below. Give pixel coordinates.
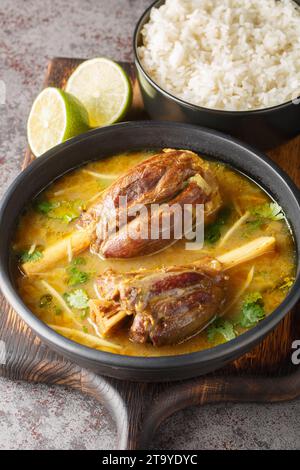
(78, 261)
(61, 210)
(261, 214)
(28, 257)
(77, 299)
(254, 224)
(221, 328)
(252, 310)
(44, 207)
(271, 211)
(213, 231)
(77, 277)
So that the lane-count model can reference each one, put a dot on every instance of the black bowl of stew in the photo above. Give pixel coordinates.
(135, 136)
(265, 128)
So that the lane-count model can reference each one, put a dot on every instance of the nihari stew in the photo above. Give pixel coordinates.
(153, 297)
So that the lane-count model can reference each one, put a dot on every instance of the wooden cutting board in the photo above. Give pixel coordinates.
(266, 374)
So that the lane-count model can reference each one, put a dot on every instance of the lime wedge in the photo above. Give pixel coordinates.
(104, 89)
(55, 116)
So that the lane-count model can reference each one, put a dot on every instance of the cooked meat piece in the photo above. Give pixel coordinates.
(169, 305)
(120, 245)
(170, 177)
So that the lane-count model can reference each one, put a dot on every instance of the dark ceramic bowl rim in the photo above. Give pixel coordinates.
(137, 363)
(180, 101)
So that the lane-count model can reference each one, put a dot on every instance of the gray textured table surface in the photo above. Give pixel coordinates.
(41, 417)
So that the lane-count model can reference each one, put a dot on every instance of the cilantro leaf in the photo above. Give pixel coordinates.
(213, 231)
(78, 261)
(252, 310)
(76, 276)
(27, 257)
(271, 211)
(261, 214)
(77, 299)
(221, 327)
(67, 210)
(254, 224)
(61, 210)
(44, 207)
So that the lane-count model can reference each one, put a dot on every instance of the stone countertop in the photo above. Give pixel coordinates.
(42, 417)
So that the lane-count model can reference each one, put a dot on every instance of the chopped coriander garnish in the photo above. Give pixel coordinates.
(68, 210)
(252, 310)
(77, 277)
(62, 210)
(251, 313)
(254, 224)
(44, 207)
(85, 329)
(213, 231)
(271, 211)
(221, 328)
(78, 261)
(77, 299)
(261, 214)
(30, 257)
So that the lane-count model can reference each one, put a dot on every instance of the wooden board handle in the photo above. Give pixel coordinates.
(137, 408)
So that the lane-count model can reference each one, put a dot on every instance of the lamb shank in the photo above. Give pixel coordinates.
(169, 178)
(169, 305)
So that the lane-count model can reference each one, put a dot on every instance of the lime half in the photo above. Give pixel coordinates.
(55, 116)
(104, 88)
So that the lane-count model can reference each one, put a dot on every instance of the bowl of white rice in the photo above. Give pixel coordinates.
(233, 66)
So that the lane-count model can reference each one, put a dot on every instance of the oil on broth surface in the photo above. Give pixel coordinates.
(73, 192)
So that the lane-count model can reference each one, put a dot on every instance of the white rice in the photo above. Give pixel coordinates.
(228, 54)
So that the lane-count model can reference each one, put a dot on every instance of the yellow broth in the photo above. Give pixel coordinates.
(272, 272)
